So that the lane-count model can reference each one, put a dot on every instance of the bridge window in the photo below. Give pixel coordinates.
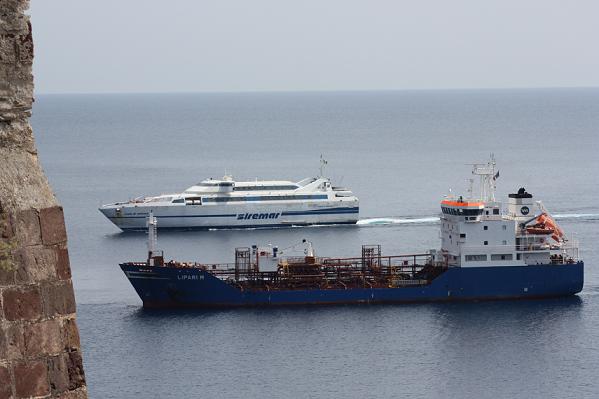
(267, 198)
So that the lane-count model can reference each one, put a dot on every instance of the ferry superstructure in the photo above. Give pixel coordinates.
(225, 203)
(487, 252)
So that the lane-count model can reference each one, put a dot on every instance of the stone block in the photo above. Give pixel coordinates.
(31, 379)
(42, 338)
(7, 221)
(7, 277)
(27, 227)
(70, 334)
(59, 298)
(80, 393)
(75, 369)
(35, 264)
(22, 303)
(58, 373)
(52, 224)
(5, 383)
(63, 266)
(3, 342)
(25, 46)
(15, 345)
(7, 50)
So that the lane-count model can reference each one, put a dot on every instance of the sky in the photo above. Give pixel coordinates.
(108, 46)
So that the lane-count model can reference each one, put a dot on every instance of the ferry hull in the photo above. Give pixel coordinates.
(133, 218)
(165, 287)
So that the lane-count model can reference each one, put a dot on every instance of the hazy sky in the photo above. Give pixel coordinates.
(256, 45)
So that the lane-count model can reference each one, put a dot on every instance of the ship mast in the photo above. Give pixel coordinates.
(488, 175)
(323, 163)
(151, 223)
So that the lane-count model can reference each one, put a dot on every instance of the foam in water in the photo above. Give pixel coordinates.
(387, 221)
(383, 221)
(587, 216)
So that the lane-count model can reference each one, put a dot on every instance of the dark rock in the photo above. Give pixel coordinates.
(70, 334)
(58, 373)
(75, 367)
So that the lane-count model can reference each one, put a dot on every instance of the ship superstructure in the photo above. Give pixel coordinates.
(486, 253)
(476, 232)
(226, 203)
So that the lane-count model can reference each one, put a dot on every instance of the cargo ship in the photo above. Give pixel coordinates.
(487, 253)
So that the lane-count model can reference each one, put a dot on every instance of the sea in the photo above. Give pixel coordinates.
(400, 152)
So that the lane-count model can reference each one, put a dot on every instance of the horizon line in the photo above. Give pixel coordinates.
(317, 90)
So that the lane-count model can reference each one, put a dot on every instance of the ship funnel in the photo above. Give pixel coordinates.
(520, 204)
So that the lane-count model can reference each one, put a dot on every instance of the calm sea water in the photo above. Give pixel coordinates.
(400, 152)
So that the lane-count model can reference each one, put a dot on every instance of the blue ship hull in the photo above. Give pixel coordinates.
(170, 287)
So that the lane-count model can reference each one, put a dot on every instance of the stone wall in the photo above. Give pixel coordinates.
(40, 353)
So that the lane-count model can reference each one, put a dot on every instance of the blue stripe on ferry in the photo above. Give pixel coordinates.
(322, 211)
(250, 226)
(231, 215)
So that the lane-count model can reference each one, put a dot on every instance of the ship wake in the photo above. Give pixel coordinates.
(429, 220)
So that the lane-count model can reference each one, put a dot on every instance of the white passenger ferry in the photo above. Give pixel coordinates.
(226, 203)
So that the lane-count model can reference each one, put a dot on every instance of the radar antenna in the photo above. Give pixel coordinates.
(488, 176)
(323, 163)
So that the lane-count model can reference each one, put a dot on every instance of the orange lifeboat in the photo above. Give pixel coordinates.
(539, 228)
(547, 221)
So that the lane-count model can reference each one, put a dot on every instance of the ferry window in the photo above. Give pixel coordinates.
(487, 212)
(476, 258)
(486, 242)
(485, 227)
(265, 188)
(501, 257)
(495, 211)
(266, 198)
(519, 256)
(504, 242)
(504, 227)
(462, 235)
(178, 201)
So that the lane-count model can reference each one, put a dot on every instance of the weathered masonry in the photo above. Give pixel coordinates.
(40, 353)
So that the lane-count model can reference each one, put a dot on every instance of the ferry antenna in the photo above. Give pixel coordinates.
(323, 163)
